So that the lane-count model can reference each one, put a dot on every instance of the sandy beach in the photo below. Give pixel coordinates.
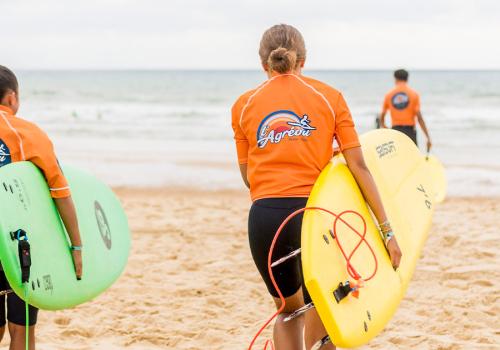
(191, 284)
(156, 101)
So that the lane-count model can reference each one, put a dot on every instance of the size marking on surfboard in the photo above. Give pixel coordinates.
(428, 203)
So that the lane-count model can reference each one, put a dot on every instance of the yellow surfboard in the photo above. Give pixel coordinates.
(409, 184)
(438, 176)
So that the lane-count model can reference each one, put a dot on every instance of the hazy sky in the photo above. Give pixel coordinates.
(224, 34)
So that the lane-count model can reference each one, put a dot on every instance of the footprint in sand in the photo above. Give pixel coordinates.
(62, 321)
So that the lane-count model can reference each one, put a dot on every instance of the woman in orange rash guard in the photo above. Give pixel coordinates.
(284, 131)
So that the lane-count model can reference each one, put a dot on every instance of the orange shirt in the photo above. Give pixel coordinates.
(284, 131)
(403, 102)
(21, 140)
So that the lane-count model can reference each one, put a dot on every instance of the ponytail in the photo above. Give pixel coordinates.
(282, 48)
(282, 60)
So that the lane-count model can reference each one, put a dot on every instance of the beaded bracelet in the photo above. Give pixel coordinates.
(385, 226)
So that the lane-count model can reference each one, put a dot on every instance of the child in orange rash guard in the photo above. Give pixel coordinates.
(284, 131)
(21, 140)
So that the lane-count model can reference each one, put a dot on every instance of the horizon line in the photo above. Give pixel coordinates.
(254, 69)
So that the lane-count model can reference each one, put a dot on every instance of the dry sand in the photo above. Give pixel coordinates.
(191, 284)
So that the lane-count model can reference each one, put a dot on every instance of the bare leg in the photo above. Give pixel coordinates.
(315, 331)
(2, 332)
(17, 336)
(289, 335)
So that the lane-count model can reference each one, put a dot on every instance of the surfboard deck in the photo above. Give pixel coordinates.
(25, 203)
(408, 192)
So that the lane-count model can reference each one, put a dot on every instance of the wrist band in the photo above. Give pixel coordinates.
(386, 231)
(385, 226)
(388, 236)
(385, 223)
(76, 247)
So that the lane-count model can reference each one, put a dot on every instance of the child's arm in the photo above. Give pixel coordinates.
(38, 149)
(67, 211)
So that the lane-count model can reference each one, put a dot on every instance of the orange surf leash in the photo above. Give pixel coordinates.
(358, 281)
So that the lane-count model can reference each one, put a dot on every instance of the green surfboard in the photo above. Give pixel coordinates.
(26, 204)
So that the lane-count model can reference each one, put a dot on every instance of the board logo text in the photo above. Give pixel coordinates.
(386, 149)
(102, 223)
(427, 202)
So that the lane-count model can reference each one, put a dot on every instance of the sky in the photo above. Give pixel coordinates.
(225, 34)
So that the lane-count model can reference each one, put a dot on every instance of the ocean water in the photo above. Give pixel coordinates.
(173, 128)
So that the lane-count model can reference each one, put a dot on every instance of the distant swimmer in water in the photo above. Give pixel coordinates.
(403, 103)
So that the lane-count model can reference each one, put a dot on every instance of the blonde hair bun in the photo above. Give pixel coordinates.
(282, 60)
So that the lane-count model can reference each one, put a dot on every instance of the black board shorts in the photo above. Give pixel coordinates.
(408, 130)
(16, 312)
(264, 219)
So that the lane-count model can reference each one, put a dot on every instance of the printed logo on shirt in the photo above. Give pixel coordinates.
(400, 100)
(5, 157)
(283, 124)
